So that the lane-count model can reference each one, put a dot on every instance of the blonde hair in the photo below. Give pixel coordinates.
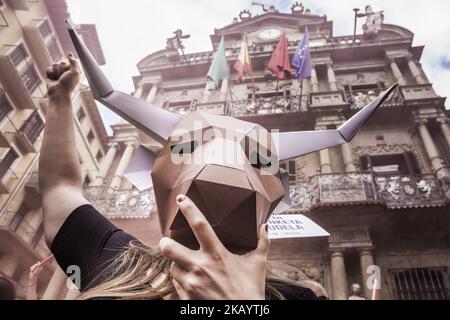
(133, 274)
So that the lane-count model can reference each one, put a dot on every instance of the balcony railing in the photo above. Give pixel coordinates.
(31, 78)
(268, 105)
(395, 191)
(5, 105)
(33, 126)
(358, 98)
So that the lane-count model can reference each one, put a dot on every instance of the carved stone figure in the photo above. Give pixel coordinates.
(356, 292)
(373, 22)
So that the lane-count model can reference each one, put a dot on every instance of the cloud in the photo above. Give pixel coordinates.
(133, 29)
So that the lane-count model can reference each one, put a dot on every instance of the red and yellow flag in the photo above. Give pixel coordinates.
(243, 66)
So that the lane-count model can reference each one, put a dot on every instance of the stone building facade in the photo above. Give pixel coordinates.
(29, 43)
(384, 197)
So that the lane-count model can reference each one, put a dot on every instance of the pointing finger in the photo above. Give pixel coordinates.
(203, 231)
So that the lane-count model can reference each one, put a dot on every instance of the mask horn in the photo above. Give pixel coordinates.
(295, 144)
(140, 168)
(152, 120)
(285, 203)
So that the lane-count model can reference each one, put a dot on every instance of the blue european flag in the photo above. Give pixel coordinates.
(302, 58)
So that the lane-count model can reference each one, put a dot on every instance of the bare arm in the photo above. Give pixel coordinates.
(35, 270)
(59, 168)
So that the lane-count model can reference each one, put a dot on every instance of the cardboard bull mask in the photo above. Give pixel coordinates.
(228, 167)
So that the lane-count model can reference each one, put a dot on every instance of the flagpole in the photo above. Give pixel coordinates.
(251, 73)
(301, 94)
(251, 68)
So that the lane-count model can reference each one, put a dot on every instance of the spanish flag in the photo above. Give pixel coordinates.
(243, 66)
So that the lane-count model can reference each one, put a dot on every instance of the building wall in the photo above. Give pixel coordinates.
(21, 233)
(374, 218)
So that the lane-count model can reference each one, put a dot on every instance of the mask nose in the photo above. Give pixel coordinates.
(226, 198)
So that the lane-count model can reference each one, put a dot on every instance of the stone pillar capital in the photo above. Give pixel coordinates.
(336, 252)
(443, 120)
(113, 144)
(390, 59)
(131, 143)
(421, 121)
(363, 251)
(409, 56)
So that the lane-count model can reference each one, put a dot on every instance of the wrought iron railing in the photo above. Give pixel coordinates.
(358, 98)
(268, 105)
(33, 126)
(5, 105)
(395, 191)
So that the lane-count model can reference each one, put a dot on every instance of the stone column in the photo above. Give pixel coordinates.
(152, 94)
(324, 155)
(106, 165)
(366, 260)
(138, 92)
(348, 157)
(396, 71)
(325, 163)
(224, 89)
(445, 128)
(123, 163)
(206, 94)
(430, 147)
(314, 80)
(57, 286)
(415, 71)
(437, 163)
(331, 77)
(338, 276)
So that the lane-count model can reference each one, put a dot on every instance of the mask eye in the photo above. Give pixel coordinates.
(259, 162)
(184, 148)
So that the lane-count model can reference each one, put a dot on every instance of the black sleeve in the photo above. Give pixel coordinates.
(90, 241)
(291, 291)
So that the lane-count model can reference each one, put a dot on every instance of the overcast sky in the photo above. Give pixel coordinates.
(130, 30)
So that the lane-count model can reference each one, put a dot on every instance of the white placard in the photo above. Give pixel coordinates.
(294, 226)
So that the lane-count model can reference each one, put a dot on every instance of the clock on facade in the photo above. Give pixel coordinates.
(269, 34)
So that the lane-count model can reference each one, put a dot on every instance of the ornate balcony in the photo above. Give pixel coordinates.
(360, 97)
(395, 191)
(261, 106)
(419, 92)
(122, 204)
(326, 99)
(30, 131)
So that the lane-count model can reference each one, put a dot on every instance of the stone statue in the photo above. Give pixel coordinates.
(356, 292)
(373, 22)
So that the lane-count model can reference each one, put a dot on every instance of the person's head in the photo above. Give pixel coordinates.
(315, 287)
(228, 168)
(7, 290)
(355, 288)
